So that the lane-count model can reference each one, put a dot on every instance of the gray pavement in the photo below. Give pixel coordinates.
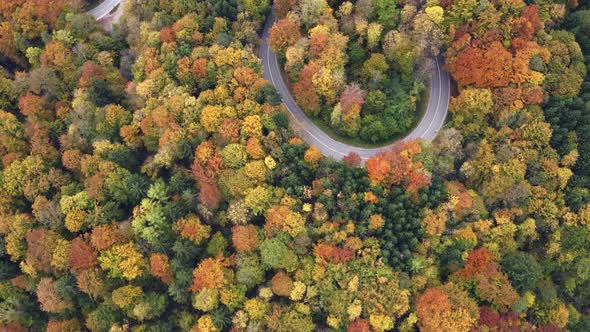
(104, 8)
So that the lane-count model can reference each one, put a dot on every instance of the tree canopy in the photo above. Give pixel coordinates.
(149, 180)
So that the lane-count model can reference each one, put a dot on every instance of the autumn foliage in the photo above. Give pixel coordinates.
(333, 254)
(82, 255)
(490, 67)
(283, 33)
(245, 237)
(492, 284)
(71, 325)
(304, 91)
(90, 281)
(149, 178)
(352, 96)
(283, 218)
(209, 193)
(479, 261)
(399, 165)
(489, 319)
(40, 246)
(282, 7)
(191, 227)
(446, 308)
(352, 159)
(105, 236)
(359, 325)
(281, 284)
(89, 71)
(209, 273)
(160, 267)
(51, 300)
(313, 155)
(167, 35)
(35, 106)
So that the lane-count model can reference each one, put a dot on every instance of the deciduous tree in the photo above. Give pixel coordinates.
(284, 33)
(51, 300)
(304, 91)
(124, 260)
(40, 246)
(82, 256)
(245, 237)
(446, 308)
(160, 267)
(208, 274)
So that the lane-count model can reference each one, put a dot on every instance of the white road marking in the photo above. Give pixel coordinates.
(438, 101)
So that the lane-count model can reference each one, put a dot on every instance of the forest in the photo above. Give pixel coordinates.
(149, 179)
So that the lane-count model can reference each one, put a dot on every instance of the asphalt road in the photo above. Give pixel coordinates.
(427, 129)
(103, 8)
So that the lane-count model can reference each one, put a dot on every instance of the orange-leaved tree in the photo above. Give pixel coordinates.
(447, 308)
(284, 33)
(491, 284)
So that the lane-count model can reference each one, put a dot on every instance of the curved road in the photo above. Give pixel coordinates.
(427, 129)
(103, 9)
